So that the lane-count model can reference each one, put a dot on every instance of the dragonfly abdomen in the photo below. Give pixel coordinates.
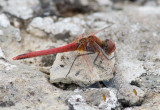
(66, 48)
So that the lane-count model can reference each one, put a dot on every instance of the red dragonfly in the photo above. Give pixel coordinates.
(91, 44)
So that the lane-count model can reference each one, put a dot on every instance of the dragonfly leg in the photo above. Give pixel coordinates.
(94, 62)
(75, 60)
(110, 58)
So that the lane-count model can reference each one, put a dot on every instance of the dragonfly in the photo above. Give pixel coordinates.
(91, 44)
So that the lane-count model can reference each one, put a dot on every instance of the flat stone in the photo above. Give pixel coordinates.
(83, 72)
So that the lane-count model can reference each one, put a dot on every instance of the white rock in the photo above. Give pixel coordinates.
(1, 32)
(6, 30)
(129, 108)
(4, 21)
(148, 10)
(6, 66)
(111, 102)
(1, 53)
(104, 2)
(47, 25)
(84, 2)
(21, 8)
(80, 104)
(40, 26)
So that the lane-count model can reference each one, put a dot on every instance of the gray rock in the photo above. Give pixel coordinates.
(23, 87)
(130, 95)
(81, 73)
(149, 82)
(7, 31)
(150, 103)
(135, 30)
(93, 99)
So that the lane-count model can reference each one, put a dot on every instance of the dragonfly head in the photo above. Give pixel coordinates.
(108, 46)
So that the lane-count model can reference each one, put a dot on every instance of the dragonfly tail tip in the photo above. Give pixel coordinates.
(14, 58)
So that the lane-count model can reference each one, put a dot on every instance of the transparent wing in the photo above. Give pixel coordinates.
(101, 30)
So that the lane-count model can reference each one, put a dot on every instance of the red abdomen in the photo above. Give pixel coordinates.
(66, 48)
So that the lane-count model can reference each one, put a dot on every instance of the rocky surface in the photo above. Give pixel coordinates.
(94, 99)
(130, 81)
(151, 102)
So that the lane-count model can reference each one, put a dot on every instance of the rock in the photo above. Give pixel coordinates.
(21, 9)
(8, 34)
(8, 31)
(135, 31)
(6, 66)
(1, 32)
(4, 21)
(92, 99)
(104, 2)
(1, 53)
(134, 48)
(43, 26)
(150, 103)
(39, 26)
(82, 73)
(130, 95)
(128, 108)
(149, 82)
(23, 87)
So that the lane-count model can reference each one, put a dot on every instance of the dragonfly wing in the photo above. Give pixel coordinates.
(78, 38)
(101, 29)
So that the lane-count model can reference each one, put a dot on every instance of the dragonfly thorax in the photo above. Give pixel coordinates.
(90, 48)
